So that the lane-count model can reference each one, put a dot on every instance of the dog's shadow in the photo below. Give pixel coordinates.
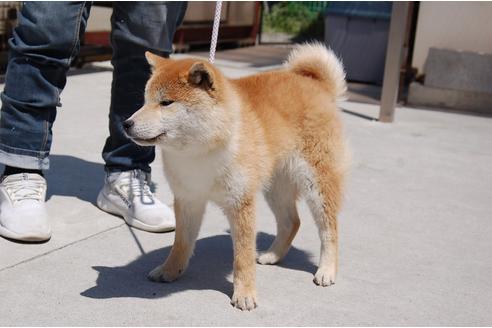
(208, 269)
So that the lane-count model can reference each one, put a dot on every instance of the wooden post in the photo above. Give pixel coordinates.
(394, 52)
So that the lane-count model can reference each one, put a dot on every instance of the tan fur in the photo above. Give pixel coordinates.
(223, 140)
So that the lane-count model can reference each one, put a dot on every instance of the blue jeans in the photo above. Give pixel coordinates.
(44, 44)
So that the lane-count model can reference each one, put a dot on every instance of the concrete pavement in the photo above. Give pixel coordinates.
(415, 234)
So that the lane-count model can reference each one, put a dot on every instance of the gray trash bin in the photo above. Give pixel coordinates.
(358, 33)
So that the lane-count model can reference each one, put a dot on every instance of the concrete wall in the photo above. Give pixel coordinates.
(463, 25)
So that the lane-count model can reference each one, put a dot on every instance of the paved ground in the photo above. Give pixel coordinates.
(416, 235)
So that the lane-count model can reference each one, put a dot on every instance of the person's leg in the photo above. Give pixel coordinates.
(42, 47)
(137, 27)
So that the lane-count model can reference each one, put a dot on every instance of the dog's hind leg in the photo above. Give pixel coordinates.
(323, 196)
(189, 217)
(281, 197)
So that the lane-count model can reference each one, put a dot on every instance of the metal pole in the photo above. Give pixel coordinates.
(394, 53)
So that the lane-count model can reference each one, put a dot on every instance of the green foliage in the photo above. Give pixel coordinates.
(290, 17)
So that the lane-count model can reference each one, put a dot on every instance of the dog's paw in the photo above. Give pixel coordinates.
(267, 258)
(160, 274)
(157, 275)
(244, 301)
(325, 277)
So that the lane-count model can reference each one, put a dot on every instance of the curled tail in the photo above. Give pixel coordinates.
(316, 61)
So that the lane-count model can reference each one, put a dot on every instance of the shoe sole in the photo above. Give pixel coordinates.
(105, 205)
(4, 232)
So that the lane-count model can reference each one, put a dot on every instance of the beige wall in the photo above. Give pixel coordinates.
(463, 25)
(99, 19)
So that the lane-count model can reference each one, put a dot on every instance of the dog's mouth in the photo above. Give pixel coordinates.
(148, 141)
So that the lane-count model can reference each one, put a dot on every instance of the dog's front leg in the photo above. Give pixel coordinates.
(242, 220)
(189, 215)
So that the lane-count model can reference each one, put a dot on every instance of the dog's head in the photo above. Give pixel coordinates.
(186, 106)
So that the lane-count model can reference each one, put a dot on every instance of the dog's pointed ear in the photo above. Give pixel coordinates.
(153, 59)
(201, 76)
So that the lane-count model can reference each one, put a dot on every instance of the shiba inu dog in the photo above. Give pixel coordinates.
(224, 139)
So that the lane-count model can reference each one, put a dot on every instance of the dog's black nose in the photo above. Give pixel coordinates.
(128, 124)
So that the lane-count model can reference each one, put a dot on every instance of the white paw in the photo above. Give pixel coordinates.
(268, 258)
(324, 277)
(244, 301)
(160, 275)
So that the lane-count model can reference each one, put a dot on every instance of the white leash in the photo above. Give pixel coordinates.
(215, 31)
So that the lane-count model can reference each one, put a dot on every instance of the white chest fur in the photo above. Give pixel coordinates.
(206, 176)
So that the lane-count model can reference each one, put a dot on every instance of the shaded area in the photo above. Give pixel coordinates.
(364, 93)
(74, 177)
(208, 270)
(258, 56)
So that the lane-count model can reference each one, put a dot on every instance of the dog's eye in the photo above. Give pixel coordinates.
(166, 102)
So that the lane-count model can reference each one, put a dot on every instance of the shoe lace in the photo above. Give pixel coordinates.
(23, 188)
(136, 185)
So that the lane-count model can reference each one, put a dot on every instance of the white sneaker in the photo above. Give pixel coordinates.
(23, 214)
(127, 194)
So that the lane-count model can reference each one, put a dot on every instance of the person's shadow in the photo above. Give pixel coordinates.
(208, 269)
(74, 177)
